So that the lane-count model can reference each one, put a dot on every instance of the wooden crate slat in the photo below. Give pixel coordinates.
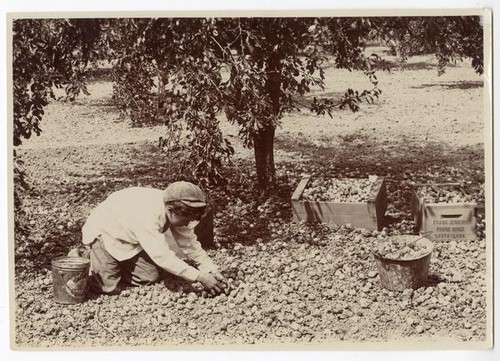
(340, 208)
(381, 203)
(300, 188)
(310, 212)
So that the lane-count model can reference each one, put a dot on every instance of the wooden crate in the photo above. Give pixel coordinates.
(368, 215)
(444, 221)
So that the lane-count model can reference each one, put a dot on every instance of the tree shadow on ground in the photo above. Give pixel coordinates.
(360, 151)
(305, 101)
(103, 102)
(354, 156)
(241, 215)
(100, 74)
(413, 65)
(399, 162)
(402, 65)
(398, 64)
(461, 85)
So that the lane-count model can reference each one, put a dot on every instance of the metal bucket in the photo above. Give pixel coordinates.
(399, 274)
(70, 279)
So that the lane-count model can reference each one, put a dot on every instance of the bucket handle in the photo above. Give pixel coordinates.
(422, 235)
(425, 234)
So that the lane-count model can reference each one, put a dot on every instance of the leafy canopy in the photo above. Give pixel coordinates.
(187, 72)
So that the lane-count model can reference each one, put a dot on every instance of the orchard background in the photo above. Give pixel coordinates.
(297, 283)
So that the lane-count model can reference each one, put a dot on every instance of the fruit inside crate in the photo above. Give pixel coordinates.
(445, 210)
(443, 193)
(359, 202)
(346, 190)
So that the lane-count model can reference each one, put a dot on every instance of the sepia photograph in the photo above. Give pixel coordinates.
(285, 180)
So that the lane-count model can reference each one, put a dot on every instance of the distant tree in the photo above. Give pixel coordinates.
(450, 38)
(48, 54)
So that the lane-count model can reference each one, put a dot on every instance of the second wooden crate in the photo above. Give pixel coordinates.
(444, 221)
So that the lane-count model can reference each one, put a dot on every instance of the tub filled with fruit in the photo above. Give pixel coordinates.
(403, 261)
(403, 247)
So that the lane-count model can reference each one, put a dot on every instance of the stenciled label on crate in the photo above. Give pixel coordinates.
(445, 210)
(449, 224)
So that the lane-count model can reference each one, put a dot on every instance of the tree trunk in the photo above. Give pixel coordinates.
(264, 139)
(264, 159)
(161, 94)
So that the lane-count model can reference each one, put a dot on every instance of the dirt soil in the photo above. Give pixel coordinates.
(295, 283)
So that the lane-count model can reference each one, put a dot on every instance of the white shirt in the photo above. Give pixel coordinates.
(133, 219)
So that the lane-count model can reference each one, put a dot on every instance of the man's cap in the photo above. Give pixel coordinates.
(188, 193)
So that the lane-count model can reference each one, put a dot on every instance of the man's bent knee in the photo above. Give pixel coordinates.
(146, 276)
(97, 285)
(140, 270)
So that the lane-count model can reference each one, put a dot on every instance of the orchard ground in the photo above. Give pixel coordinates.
(299, 284)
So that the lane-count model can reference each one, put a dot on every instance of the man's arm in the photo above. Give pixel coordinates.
(187, 241)
(155, 245)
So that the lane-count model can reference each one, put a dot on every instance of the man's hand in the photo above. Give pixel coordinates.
(218, 276)
(213, 282)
